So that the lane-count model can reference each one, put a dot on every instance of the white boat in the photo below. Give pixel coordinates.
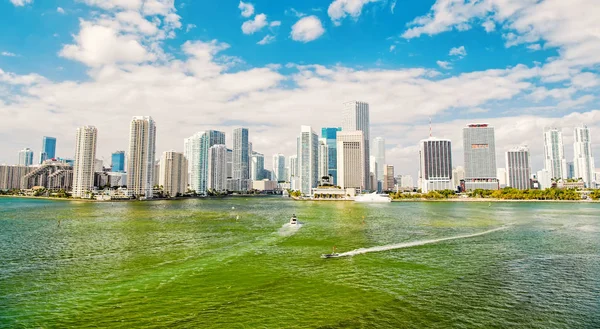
(373, 197)
(294, 220)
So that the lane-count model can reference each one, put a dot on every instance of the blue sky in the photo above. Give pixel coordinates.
(193, 66)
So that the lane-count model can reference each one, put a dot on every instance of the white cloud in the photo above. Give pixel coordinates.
(246, 8)
(8, 54)
(115, 4)
(458, 51)
(275, 23)
(97, 45)
(534, 47)
(489, 26)
(294, 12)
(252, 26)
(445, 65)
(266, 40)
(190, 27)
(339, 9)
(393, 6)
(21, 3)
(307, 29)
(60, 10)
(392, 48)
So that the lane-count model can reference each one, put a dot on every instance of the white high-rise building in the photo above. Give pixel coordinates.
(217, 168)
(198, 148)
(323, 158)
(26, 157)
(406, 181)
(518, 168)
(257, 167)
(479, 145)
(554, 152)
(355, 116)
(458, 174)
(140, 158)
(292, 167)
(350, 159)
(308, 159)
(544, 179)
(501, 176)
(85, 160)
(241, 159)
(173, 173)
(435, 173)
(378, 151)
(583, 160)
(389, 183)
(279, 168)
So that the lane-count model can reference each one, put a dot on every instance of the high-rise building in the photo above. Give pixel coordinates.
(480, 157)
(435, 173)
(229, 164)
(85, 160)
(173, 173)
(405, 181)
(323, 158)
(351, 161)
(355, 116)
(518, 168)
(198, 148)
(378, 151)
(279, 167)
(141, 157)
(308, 159)
(583, 160)
(292, 167)
(258, 166)
(570, 170)
(544, 179)
(241, 159)
(458, 174)
(26, 157)
(554, 152)
(217, 168)
(388, 178)
(329, 134)
(501, 176)
(118, 161)
(48, 149)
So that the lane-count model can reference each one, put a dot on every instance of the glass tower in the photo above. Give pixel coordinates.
(329, 134)
(118, 161)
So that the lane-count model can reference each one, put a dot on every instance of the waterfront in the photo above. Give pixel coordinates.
(191, 264)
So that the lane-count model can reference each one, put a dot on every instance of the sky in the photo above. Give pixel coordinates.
(272, 66)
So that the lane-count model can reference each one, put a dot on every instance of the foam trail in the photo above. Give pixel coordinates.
(415, 243)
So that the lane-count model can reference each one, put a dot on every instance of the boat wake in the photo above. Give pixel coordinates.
(289, 229)
(414, 243)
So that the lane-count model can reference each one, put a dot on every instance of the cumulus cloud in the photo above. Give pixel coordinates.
(339, 9)
(266, 40)
(246, 8)
(458, 51)
(445, 65)
(307, 29)
(21, 3)
(255, 25)
(60, 10)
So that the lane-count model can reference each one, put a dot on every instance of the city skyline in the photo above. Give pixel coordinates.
(518, 80)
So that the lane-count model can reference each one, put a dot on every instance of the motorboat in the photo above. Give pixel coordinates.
(294, 220)
(332, 255)
(373, 197)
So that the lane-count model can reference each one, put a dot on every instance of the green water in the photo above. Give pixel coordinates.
(191, 264)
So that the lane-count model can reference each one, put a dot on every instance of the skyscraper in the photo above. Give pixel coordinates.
(173, 173)
(351, 161)
(258, 166)
(26, 157)
(480, 157)
(48, 149)
(198, 146)
(85, 160)
(308, 158)
(279, 167)
(329, 134)
(518, 168)
(355, 116)
(241, 158)
(570, 170)
(388, 178)
(217, 168)
(583, 160)
(554, 152)
(292, 167)
(141, 155)
(323, 167)
(436, 165)
(379, 154)
(118, 161)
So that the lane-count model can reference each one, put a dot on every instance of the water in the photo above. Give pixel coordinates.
(234, 263)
